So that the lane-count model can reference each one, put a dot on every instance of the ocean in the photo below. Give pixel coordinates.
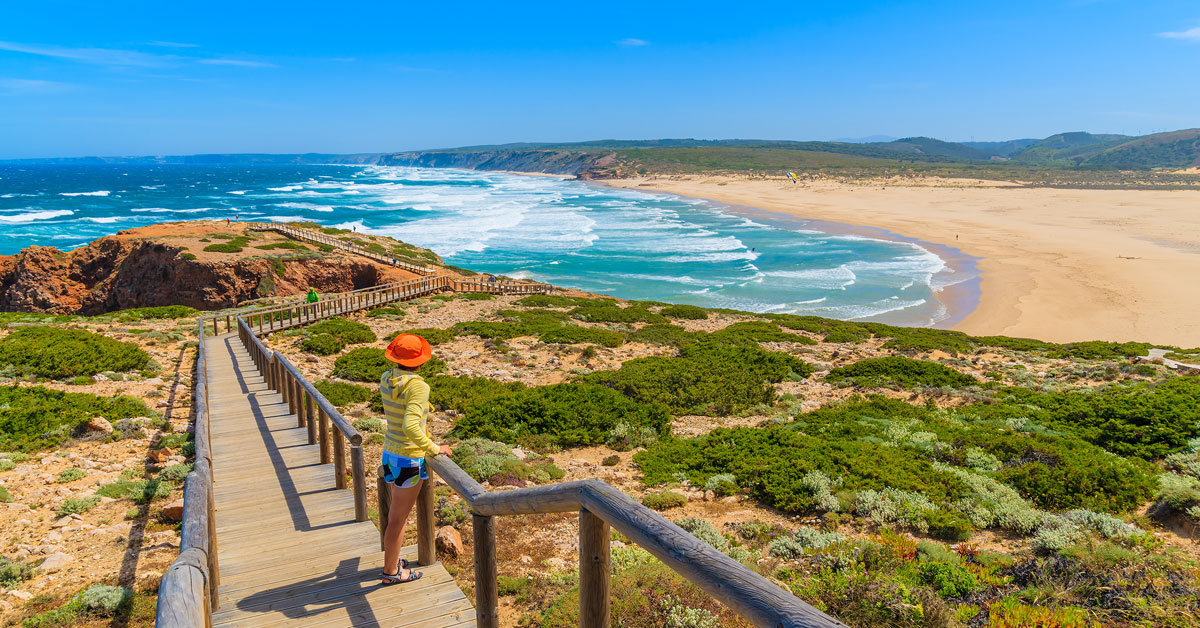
(570, 233)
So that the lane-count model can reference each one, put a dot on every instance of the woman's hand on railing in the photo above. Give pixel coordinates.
(446, 451)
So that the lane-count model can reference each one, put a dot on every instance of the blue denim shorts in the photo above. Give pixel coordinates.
(403, 472)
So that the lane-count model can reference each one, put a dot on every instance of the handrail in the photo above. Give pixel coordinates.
(187, 594)
(748, 593)
(301, 233)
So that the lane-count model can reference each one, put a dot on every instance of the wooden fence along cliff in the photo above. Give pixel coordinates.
(271, 536)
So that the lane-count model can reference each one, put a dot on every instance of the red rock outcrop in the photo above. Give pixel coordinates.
(124, 271)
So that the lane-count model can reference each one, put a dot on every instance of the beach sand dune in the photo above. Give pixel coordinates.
(1057, 264)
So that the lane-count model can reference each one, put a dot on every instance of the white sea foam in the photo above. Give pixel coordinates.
(35, 216)
(103, 220)
(164, 210)
(96, 193)
(286, 188)
(309, 206)
(238, 192)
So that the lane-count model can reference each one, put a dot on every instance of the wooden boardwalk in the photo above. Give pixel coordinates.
(289, 550)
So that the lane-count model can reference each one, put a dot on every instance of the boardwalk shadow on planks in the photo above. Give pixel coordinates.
(266, 412)
(344, 588)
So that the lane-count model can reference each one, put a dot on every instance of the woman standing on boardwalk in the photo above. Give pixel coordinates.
(407, 443)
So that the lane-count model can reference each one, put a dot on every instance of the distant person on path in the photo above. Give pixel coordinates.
(312, 297)
(405, 447)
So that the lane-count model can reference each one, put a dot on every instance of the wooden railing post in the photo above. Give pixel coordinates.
(426, 553)
(324, 435)
(339, 459)
(310, 417)
(593, 571)
(384, 497)
(360, 483)
(487, 614)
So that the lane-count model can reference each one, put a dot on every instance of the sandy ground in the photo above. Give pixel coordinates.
(1057, 264)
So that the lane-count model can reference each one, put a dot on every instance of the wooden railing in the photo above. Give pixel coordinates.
(187, 594)
(600, 506)
(316, 237)
(314, 412)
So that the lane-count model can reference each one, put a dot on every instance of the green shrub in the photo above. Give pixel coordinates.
(232, 245)
(668, 335)
(792, 546)
(685, 312)
(187, 256)
(494, 462)
(175, 473)
(949, 580)
(475, 296)
(60, 353)
(575, 335)
(898, 372)
(948, 525)
(6, 464)
(509, 585)
(141, 490)
(921, 339)
(105, 600)
(173, 441)
(5, 497)
(286, 244)
(370, 424)
(432, 335)
(342, 394)
(349, 332)
(753, 332)
(70, 475)
(364, 364)
(705, 379)
(664, 500)
(611, 461)
(322, 344)
(386, 312)
(1100, 350)
(1015, 344)
(448, 513)
(77, 505)
(832, 330)
(34, 417)
(1147, 419)
(609, 312)
(460, 393)
(722, 484)
(551, 300)
(13, 573)
(151, 313)
(625, 436)
(566, 415)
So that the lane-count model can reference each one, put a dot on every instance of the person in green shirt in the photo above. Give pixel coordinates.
(312, 295)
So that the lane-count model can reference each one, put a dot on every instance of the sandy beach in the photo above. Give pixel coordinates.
(1057, 264)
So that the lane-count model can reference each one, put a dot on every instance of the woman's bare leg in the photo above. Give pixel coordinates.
(403, 500)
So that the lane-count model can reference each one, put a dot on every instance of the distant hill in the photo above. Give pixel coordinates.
(1002, 149)
(612, 157)
(934, 148)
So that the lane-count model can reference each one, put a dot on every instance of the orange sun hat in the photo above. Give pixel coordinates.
(408, 350)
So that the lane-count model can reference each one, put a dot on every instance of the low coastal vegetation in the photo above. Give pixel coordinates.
(889, 476)
(904, 451)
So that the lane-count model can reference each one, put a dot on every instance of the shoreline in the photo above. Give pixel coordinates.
(1061, 265)
(958, 299)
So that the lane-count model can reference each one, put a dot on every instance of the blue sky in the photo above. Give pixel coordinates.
(136, 78)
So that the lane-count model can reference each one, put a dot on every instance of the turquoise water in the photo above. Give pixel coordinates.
(620, 242)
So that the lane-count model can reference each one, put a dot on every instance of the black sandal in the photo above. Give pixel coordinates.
(387, 580)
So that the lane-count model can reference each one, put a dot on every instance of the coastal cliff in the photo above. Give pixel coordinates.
(539, 161)
(153, 266)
